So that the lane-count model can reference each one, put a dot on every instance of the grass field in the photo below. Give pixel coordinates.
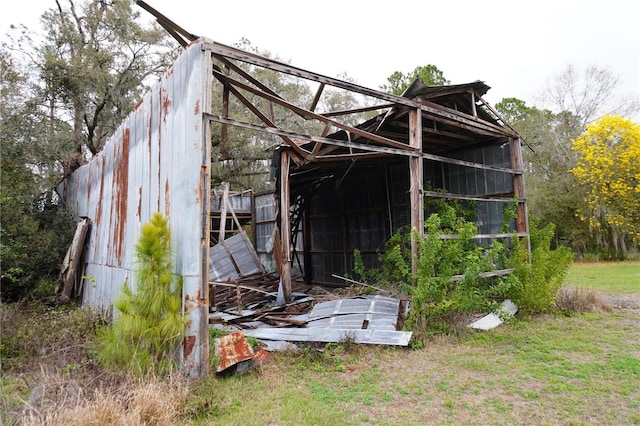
(565, 368)
(577, 370)
(605, 276)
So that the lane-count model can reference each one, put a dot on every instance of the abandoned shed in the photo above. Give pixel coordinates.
(342, 186)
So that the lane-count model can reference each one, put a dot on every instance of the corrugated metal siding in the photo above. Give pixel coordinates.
(353, 214)
(265, 221)
(157, 160)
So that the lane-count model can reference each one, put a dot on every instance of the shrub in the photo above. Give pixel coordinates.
(145, 336)
(33, 243)
(449, 282)
(540, 276)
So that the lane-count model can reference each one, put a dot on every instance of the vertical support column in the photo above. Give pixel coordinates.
(522, 221)
(415, 182)
(285, 225)
(224, 131)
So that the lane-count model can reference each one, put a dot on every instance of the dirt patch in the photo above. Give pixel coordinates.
(621, 301)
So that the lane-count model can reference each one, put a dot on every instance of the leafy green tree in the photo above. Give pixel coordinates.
(608, 166)
(575, 98)
(553, 194)
(91, 65)
(145, 336)
(429, 75)
(34, 232)
(61, 98)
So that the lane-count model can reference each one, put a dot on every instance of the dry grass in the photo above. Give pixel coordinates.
(581, 300)
(50, 376)
(151, 401)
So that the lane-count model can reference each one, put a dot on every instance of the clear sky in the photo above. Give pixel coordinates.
(514, 46)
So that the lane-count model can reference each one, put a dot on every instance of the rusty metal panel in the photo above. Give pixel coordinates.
(157, 160)
(232, 349)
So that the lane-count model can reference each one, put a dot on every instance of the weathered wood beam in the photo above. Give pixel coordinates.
(306, 155)
(285, 225)
(415, 185)
(356, 110)
(316, 98)
(522, 223)
(435, 194)
(428, 107)
(346, 144)
(310, 114)
(354, 156)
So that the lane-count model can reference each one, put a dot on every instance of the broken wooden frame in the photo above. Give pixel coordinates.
(425, 124)
(366, 142)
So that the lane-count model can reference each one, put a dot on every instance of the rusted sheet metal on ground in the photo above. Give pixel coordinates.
(232, 349)
(157, 160)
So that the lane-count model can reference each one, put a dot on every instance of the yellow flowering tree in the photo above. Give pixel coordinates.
(608, 166)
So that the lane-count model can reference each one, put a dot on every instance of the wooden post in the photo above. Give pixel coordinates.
(415, 182)
(223, 212)
(285, 225)
(522, 222)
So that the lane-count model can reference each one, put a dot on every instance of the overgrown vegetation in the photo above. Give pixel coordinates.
(580, 367)
(144, 337)
(449, 282)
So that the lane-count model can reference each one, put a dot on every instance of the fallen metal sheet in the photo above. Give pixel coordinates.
(278, 345)
(494, 319)
(356, 322)
(356, 305)
(326, 335)
(361, 313)
(233, 258)
(231, 350)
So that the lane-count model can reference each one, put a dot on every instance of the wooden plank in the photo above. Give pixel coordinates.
(363, 147)
(490, 274)
(415, 182)
(285, 226)
(310, 114)
(268, 121)
(481, 236)
(316, 98)
(449, 195)
(518, 184)
(71, 262)
(356, 110)
(223, 212)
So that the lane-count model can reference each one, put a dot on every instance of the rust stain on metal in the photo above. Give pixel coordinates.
(149, 134)
(89, 186)
(99, 207)
(197, 109)
(137, 105)
(121, 188)
(166, 105)
(188, 344)
(232, 349)
(139, 213)
(261, 356)
(167, 198)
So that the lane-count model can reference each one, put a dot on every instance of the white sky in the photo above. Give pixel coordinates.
(514, 46)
